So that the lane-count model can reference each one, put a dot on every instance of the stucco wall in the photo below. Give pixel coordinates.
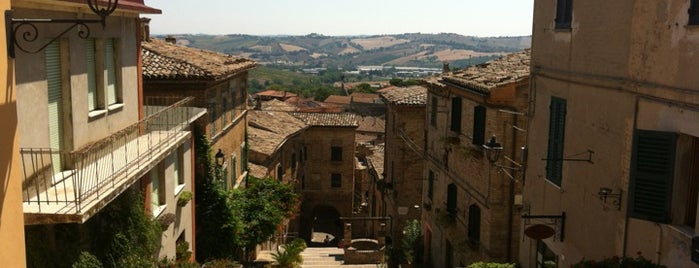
(11, 215)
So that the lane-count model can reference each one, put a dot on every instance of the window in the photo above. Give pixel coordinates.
(178, 171)
(451, 199)
(212, 116)
(557, 120)
(693, 12)
(280, 172)
(93, 96)
(545, 258)
(335, 153)
(54, 78)
(110, 66)
(244, 157)
(433, 111)
(456, 114)
(232, 91)
(564, 14)
(224, 112)
(430, 184)
(652, 177)
(474, 224)
(234, 170)
(478, 125)
(157, 187)
(336, 180)
(293, 162)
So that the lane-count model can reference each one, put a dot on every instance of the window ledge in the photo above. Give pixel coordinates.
(179, 188)
(159, 211)
(115, 106)
(96, 113)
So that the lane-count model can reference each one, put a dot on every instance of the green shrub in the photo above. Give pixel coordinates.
(184, 198)
(290, 255)
(617, 262)
(491, 265)
(87, 260)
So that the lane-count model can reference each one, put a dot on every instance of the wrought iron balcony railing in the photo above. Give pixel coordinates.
(61, 186)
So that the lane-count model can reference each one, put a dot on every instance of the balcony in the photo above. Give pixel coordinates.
(65, 187)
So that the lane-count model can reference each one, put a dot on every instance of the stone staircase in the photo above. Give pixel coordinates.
(328, 257)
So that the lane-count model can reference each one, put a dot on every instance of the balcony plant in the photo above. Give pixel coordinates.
(184, 198)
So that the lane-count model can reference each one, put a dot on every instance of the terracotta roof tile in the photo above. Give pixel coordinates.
(413, 95)
(371, 124)
(163, 60)
(337, 99)
(268, 130)
(329, 119)
(277, 105)
(508, 69)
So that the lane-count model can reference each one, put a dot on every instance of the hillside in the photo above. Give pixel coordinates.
(409, 50)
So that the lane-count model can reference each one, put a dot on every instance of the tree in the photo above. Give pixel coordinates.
(214, 229)
(260, 208)
(412, 241)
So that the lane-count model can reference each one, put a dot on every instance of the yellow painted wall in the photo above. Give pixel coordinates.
(11, 215)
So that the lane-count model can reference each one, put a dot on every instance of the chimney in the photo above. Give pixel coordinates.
(171, 39)
(445, 67)
(145, 29)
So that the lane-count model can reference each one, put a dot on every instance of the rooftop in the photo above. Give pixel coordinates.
(268, 130)
(413, 95)
(484, 77)
(371, 124)
(164, 60)
(329, 119)
(337, 99)
(277, 105)
(275, 93)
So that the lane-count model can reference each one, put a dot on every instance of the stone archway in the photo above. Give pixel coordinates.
(325, 222)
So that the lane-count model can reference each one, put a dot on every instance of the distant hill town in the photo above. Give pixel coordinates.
(348, 52)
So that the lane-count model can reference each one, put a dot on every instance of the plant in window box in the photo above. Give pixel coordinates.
(184, 198)
(165, 220)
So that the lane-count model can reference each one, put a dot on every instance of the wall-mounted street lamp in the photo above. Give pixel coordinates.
(608, 193)
(26, 28)
(493, 149)
(220, 158)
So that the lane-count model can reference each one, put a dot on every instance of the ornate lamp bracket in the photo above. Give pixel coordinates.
(22, 31)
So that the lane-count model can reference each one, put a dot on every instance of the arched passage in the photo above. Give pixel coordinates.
(326, 222)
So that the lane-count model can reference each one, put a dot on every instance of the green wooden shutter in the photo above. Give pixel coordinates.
(456, 114)
(55, 102)
(243, 157)
(451, 198)
(91, 78)
(557, 120)
(111, 71)
(652, 175)
(234, 170)
(478, 125)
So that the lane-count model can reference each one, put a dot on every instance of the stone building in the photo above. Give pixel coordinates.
(85, 137)
(470, 203)
(328, 187)
(403, 157)
(218, 82)
(614, 134)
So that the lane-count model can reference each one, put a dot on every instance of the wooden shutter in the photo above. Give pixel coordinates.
(91, 75)
(564, 14)
(234, 170)
(456, 114)
(557, 120)
(451, 198)
(478, 125)
(55, 102)
(110, 65)
(433, 111)
(652, 175)
(693, 12)
(430, 184)
(474, 224)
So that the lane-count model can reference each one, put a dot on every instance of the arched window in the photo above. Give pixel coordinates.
(474, 224)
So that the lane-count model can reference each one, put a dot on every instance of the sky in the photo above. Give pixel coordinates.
(342, 17)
